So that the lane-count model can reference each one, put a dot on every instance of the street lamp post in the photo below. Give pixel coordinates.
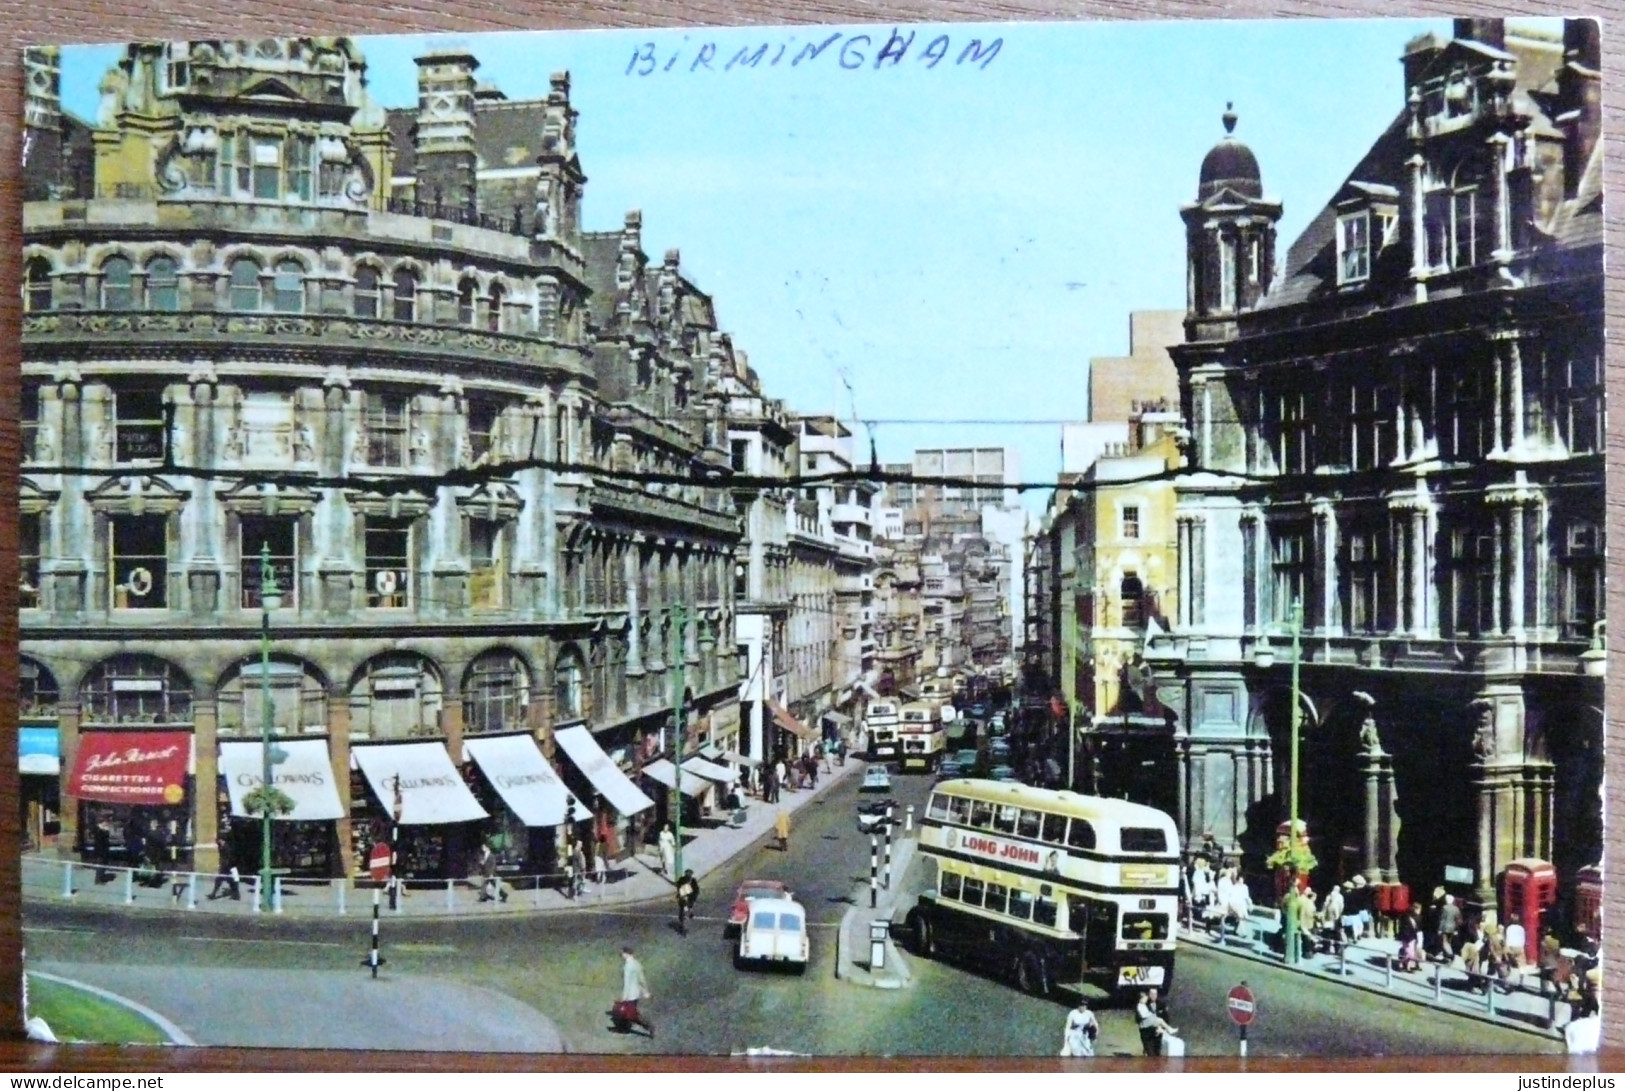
(681, 617)
(1290, 931)
(1069, 690)
(269, 600)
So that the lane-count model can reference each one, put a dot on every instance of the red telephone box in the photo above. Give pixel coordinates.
(1527, 888)
(1588, 902)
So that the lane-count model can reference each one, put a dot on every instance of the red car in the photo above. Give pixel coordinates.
(753, 888)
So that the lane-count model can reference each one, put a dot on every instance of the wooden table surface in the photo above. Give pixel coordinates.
(68, 21)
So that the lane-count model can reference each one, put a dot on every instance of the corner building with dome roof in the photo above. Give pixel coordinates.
(1396, 429)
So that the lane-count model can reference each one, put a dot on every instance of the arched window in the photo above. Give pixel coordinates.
(568, 676)
(163, 285)
(496, 693)
(396, 695)
(297, 692)
(493, 310)
(289, 287)
(117, 286)
(1133, 594)
(37, 692)
(406, 296)
(136, 689)
(467, 290)
(366, 292)
(245, 285)
(37, 285)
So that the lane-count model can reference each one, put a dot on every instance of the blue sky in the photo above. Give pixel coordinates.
(951, 240)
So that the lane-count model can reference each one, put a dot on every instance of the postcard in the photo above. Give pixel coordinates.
(1054, 540)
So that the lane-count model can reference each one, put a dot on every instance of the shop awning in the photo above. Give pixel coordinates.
(135, 767)
(595, 765)
(39, 751)
(432, 791)
(664, 772)
(782, 717)
(527, 784)
(841, 720)
(305, 775)
(733, 758)
(710, 771)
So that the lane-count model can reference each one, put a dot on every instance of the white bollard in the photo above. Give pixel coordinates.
(191, 890)
(67, 878)
(449, 903)
(908, 818)
(129, 886)
(276, 894)
(340, 885)
(256, 894)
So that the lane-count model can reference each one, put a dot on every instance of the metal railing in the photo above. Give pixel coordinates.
(107, 884)
(470, 217)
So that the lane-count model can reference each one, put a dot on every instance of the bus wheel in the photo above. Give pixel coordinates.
(1032, 975)
(925, 941)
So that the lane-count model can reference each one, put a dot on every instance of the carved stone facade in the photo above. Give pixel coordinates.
(1400, 435)
(467, 440)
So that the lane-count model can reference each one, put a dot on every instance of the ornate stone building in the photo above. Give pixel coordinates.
(1398, 430)
(268, 319)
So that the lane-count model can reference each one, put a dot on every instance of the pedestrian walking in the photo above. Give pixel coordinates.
(1082, 1028)
(1449, 924)
(1306, 923)
(668, 851)
(578, 869)
(491, 887)
(227, 876)
(1410, 941)
(812, 770)
(688, 892)
(600, 864)
(1151, 1024)
(634, 990)
(781, 827)
(779, 773)
(101, 846)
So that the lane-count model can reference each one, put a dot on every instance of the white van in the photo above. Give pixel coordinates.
(775, 933)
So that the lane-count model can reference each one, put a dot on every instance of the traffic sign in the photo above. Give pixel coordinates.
(1240, 1005)
(378, 861)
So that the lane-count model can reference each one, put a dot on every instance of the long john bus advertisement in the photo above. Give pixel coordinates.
(1021, 854)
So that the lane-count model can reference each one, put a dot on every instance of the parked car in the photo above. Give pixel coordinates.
(1002, 772)
(775, 934)
(872, 814)
(951, 768)
(998, 750)
(876, 778)
(968, 760)
(750, 890)
(978, 710)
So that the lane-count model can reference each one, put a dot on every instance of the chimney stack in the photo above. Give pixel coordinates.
(444, 142)
(1579, 98)
(1491, 32)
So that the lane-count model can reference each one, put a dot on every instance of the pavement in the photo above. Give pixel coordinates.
(1368, 965)
(634, 880)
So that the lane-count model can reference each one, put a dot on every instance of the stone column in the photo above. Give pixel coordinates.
(1326, 616)
(1198, 537)
(632, 560)
(338, 743)
(1515, 590)
(205, 785)
(451, 723)
(1419, 238)
(1421, 588)
(1499, 143)
(67, 728)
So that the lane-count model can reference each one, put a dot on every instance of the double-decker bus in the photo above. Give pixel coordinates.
(880, 725)
(1051, 888)
(922, 736)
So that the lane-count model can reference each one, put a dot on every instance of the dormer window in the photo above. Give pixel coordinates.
(1353, 247)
